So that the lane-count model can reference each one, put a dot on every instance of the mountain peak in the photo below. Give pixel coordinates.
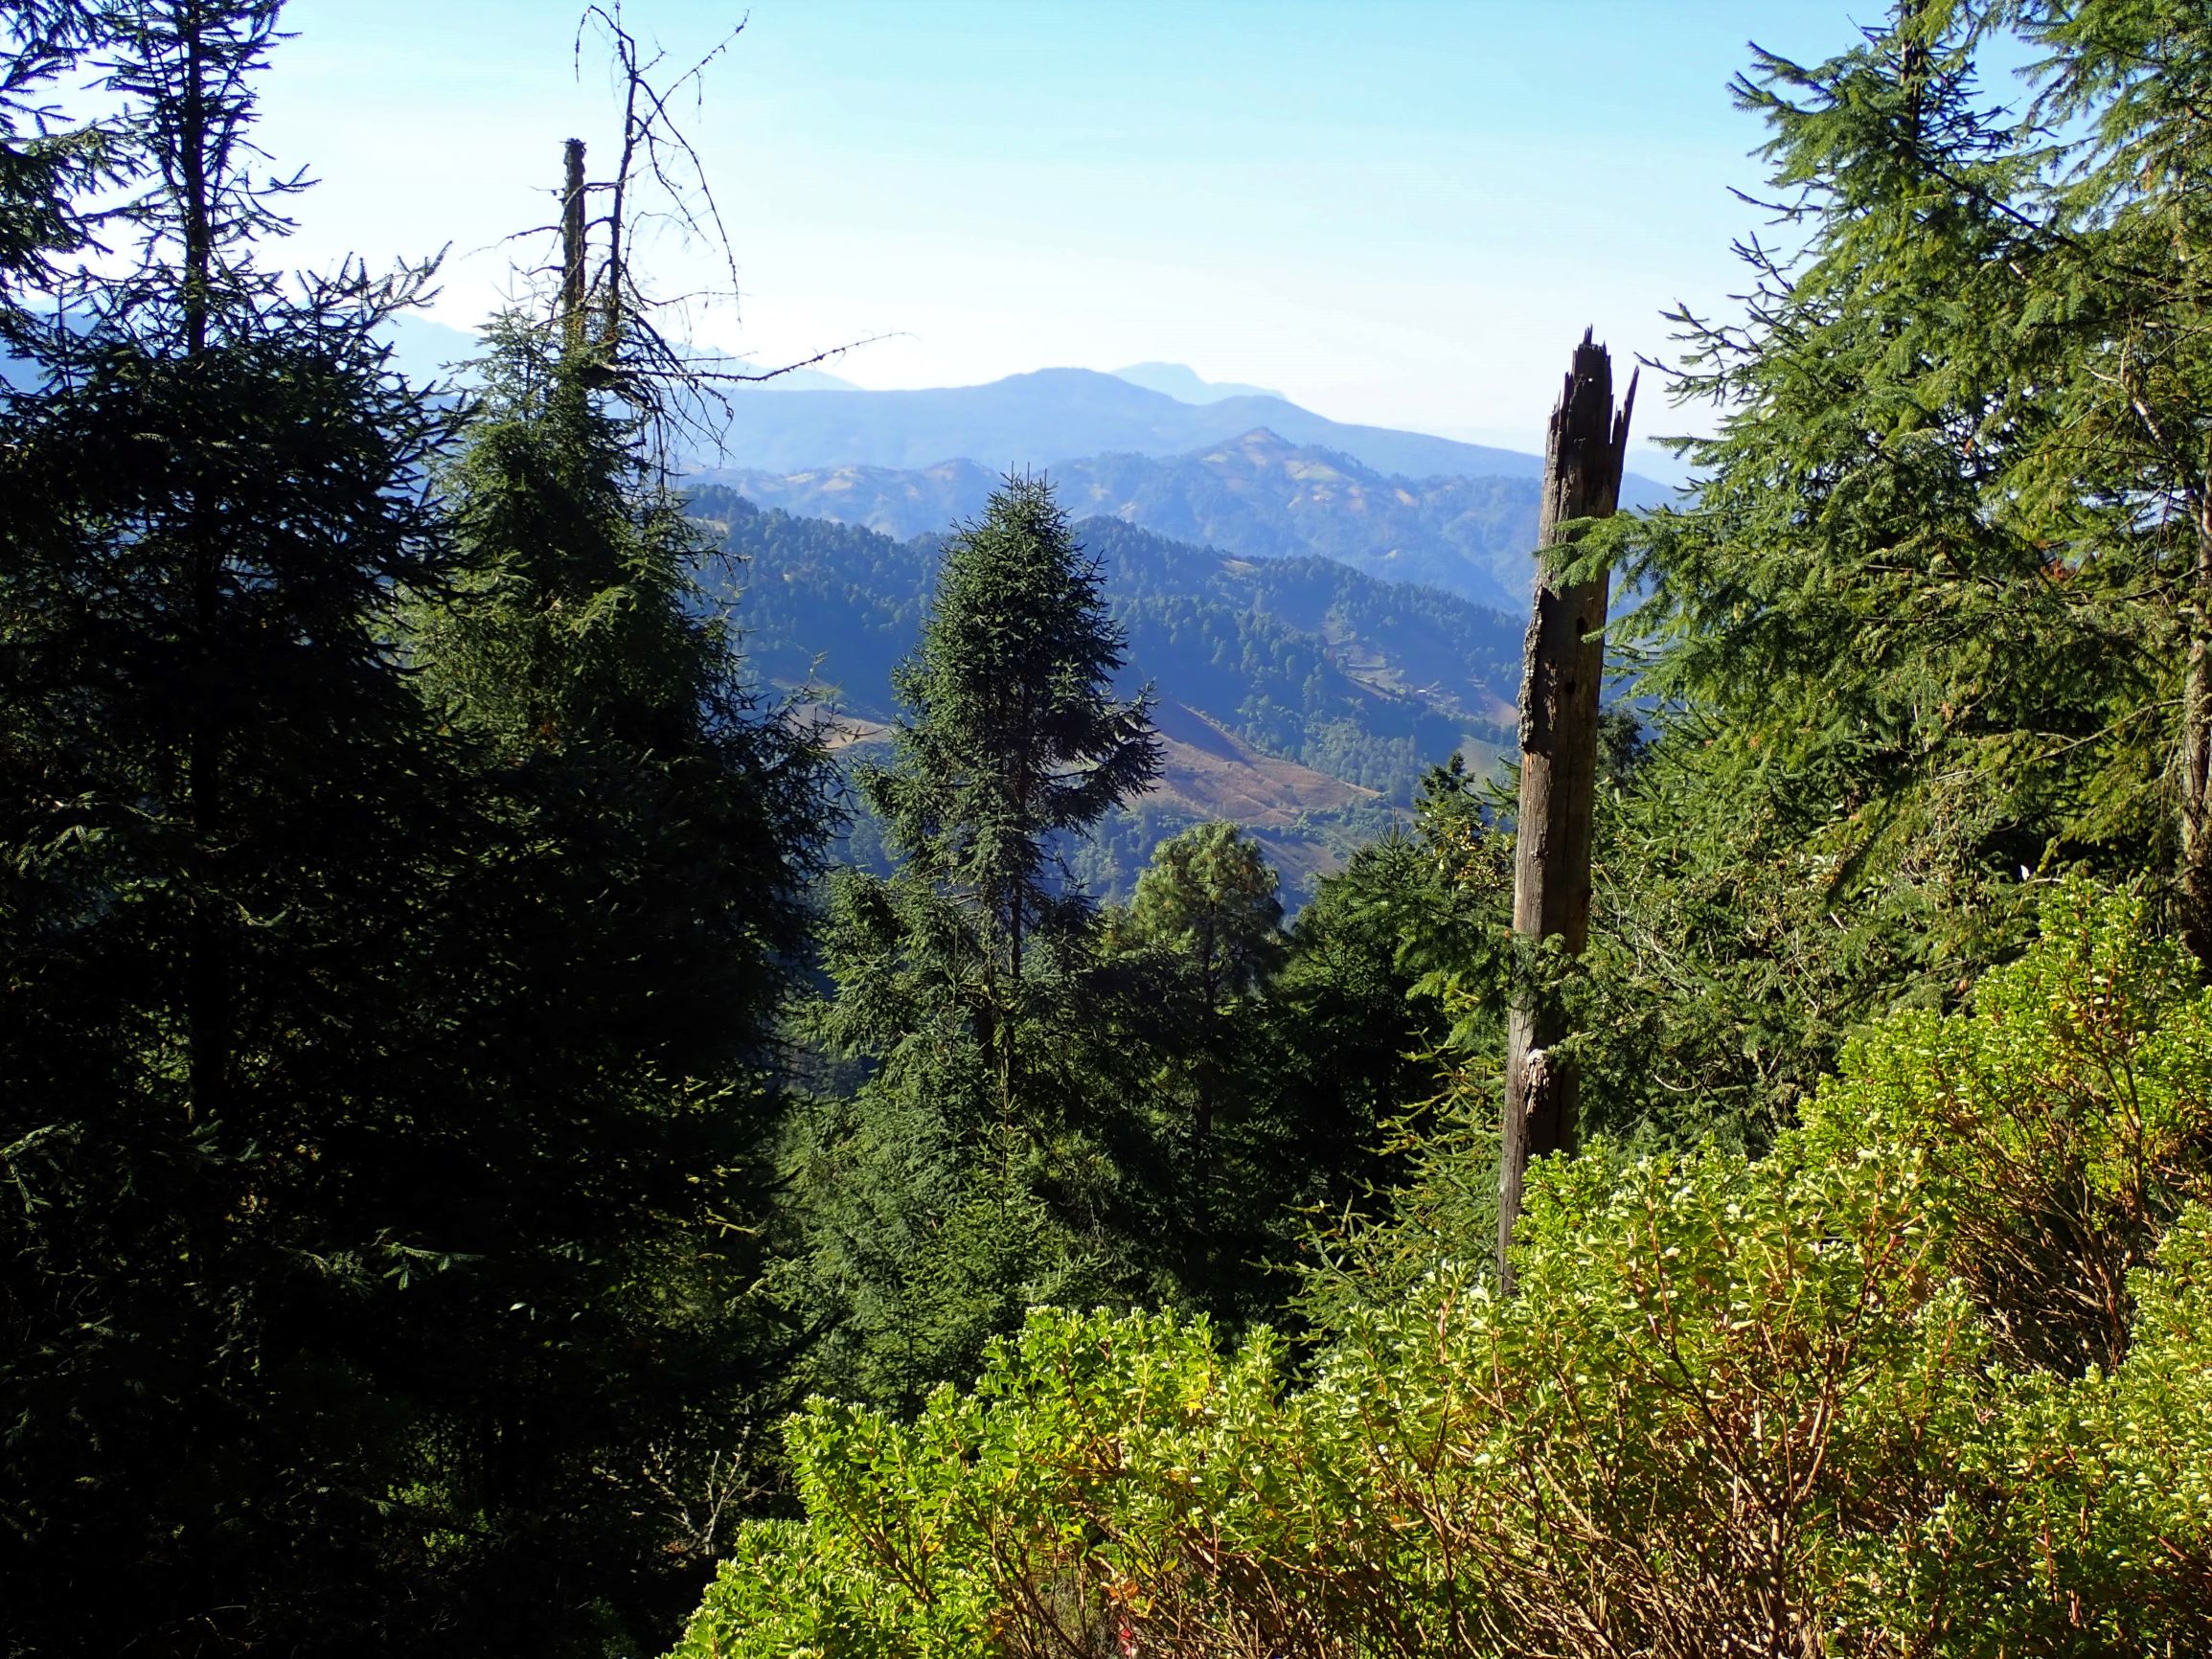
(1051, 416)
(1260, 438)
(1184, 383)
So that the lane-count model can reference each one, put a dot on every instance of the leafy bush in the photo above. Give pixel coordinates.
(2063, 1128)
(1800, 1404)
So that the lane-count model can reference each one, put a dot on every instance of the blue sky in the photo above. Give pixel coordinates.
(1400, 212)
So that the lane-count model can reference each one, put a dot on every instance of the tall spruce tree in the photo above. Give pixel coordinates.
(620, 937)
(218, 814)
(1014, 739)
(1934, 616)
(981, 1163)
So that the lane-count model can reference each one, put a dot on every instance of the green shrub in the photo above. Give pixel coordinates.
(1800, 1404)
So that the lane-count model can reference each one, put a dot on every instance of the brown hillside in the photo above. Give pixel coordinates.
(1211, 773)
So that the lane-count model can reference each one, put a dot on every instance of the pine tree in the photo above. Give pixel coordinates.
(1014, 739)
(1938, 601)
(982, 1162)
(398, 888)
(626, 921)
(1210, 897)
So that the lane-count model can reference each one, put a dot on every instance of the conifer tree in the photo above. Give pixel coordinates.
(614, 950)
(1938, 603)
(398, 886)
(217, 806)
(982, 1162)
(1014, 739)
(47, 165)
(1211, 896)
(1207, 911)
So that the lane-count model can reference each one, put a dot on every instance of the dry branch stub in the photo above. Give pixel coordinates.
(1562, 671)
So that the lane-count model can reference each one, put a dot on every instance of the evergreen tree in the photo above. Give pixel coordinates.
(1014, 739)
(219, 809)
(1211, 897)
(1206, 912)
(1935, 613)
(2121, 316)
(48, 166)
(981, 1163)
(398, 886)
(621, 933)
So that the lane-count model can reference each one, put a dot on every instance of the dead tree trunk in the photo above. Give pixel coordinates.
(572, 284)
(1561, 670)
(2197, 745)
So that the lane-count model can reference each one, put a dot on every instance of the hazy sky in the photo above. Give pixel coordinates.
(1400, 212)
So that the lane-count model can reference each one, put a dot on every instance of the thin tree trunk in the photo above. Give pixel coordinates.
(2196, 747)
(1561, 672)
(210, 1013)
(572, 242)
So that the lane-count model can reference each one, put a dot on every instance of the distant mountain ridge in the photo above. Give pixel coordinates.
(1256, 495)
(1185, 385)
(1042, 419)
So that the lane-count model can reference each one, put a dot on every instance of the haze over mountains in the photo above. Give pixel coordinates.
(1244, 471)
(1049, 415)
(1231, 466)
(1325, 609)
(1256, 495)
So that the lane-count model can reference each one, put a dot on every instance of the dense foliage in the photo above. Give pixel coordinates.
(397, 889)
(1904, 1359)
(1942, 591)
(1739, 1406)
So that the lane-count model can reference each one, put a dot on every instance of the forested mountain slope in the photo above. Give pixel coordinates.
(1256, 493)
(1297, 693)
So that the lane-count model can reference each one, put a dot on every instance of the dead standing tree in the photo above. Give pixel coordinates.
(1561, 672)
(603, 308)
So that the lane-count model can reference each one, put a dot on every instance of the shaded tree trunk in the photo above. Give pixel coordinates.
(2196, 758)
(1561, 672)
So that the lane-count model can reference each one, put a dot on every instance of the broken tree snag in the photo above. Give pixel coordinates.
(1562, 667)
(572, 240)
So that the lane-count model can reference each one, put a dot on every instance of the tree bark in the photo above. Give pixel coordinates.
(2196, 758)
(572, 241)
(1563, 669)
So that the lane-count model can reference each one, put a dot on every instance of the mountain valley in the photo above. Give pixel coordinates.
(1298, 696)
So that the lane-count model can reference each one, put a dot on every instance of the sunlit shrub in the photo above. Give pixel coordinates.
(1800, 1404)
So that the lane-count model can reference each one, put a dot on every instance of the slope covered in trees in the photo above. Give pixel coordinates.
(1252, 493)
(1361, 684)
(1880, 1343)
